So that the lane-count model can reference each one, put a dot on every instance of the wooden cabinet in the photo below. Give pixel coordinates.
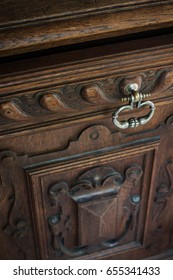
(72, 184)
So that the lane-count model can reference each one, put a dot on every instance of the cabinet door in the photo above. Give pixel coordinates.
(92, 204)
(108, 195)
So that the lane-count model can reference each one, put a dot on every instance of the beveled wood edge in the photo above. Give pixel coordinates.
(93, 27)
(115, 7)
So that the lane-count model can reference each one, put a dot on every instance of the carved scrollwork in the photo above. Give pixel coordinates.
(52, 102)
(169, 122)
(13, 223)
(56, 189)
(16, 228)
(164, 190)
(164, 81)
(152, 82)
(95, 182)
(73, 97)
(133, 173)
(97, 193)
(11, 111)
(93, 94)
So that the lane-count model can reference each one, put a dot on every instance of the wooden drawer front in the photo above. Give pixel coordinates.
(35, 96)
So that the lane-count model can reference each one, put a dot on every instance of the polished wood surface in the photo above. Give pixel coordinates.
(29, 26)
(73, 184)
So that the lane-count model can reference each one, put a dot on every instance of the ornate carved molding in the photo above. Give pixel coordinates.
(14, 223)
(164, 81)
(111, 89)
(93, 183)
(81, 96)
(98, 193)
(60, 11)
(169, 122)
(11, 111)
(164, 190)
(93, 94)
(52, 102)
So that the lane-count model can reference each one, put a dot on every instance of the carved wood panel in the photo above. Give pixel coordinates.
(164, 189)
(90, 209)
(159, 218)
(100, 201)
(93, 202)
(15, 224)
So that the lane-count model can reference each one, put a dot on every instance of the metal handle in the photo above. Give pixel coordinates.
(135, 98)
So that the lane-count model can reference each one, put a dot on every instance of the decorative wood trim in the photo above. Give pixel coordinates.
(169, 122)
(18, 40)
(57, 162)
(164, 190)
(61, 12)
(96, 183)
(52, 102)
(11, 111)
(81, 96)
(14, 224)
(90, 139)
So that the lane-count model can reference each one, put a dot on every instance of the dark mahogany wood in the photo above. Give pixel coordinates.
(72, 184)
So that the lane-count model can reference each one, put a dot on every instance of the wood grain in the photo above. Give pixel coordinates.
(68, 176)
(29, 12)
(91, 27)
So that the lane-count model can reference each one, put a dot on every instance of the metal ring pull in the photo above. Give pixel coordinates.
(135, 98)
